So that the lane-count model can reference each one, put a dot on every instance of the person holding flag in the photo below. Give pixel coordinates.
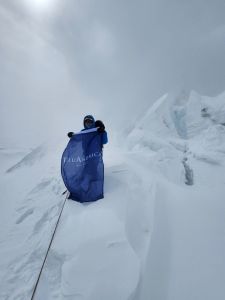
(82, 166)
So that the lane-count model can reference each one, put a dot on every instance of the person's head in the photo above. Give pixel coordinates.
(89, 122)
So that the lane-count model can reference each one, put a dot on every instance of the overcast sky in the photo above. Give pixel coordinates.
(62, 59)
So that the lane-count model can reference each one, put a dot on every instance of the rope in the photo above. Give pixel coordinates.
(46, 255)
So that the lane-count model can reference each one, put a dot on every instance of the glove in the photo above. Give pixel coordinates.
(100, 125)
(70, 134)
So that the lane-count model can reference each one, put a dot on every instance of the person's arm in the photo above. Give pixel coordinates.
(100, 125)
(104, 138)
(101, 128)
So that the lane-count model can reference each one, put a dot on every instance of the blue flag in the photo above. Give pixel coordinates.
(82, 166)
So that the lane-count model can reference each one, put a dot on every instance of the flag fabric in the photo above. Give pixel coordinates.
(82, 166)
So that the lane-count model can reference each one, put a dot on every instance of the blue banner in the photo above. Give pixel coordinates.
(82, 166)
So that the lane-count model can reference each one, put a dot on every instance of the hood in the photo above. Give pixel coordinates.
(89, 117)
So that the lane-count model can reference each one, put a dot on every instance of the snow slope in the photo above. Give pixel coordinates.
(157, 234)
(186, 256)
(31, 199)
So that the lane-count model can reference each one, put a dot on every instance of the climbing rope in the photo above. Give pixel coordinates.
(46, 255)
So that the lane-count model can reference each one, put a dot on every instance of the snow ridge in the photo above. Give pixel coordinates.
(157, 234)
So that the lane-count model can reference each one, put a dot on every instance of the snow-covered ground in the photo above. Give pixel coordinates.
(158, 234)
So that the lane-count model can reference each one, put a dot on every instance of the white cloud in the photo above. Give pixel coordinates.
(40, 7)
(101, 41)
(114, 57)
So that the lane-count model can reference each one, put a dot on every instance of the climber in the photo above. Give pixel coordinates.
(89, 123)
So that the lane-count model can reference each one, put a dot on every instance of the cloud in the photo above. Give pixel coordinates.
(110, 58)
(100, 41)
(38, 96)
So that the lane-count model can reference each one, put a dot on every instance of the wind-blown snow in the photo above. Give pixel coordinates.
(157, 234)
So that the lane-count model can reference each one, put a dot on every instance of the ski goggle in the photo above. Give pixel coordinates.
(88, 123)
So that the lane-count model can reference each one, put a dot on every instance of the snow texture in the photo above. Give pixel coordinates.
(158, 233)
